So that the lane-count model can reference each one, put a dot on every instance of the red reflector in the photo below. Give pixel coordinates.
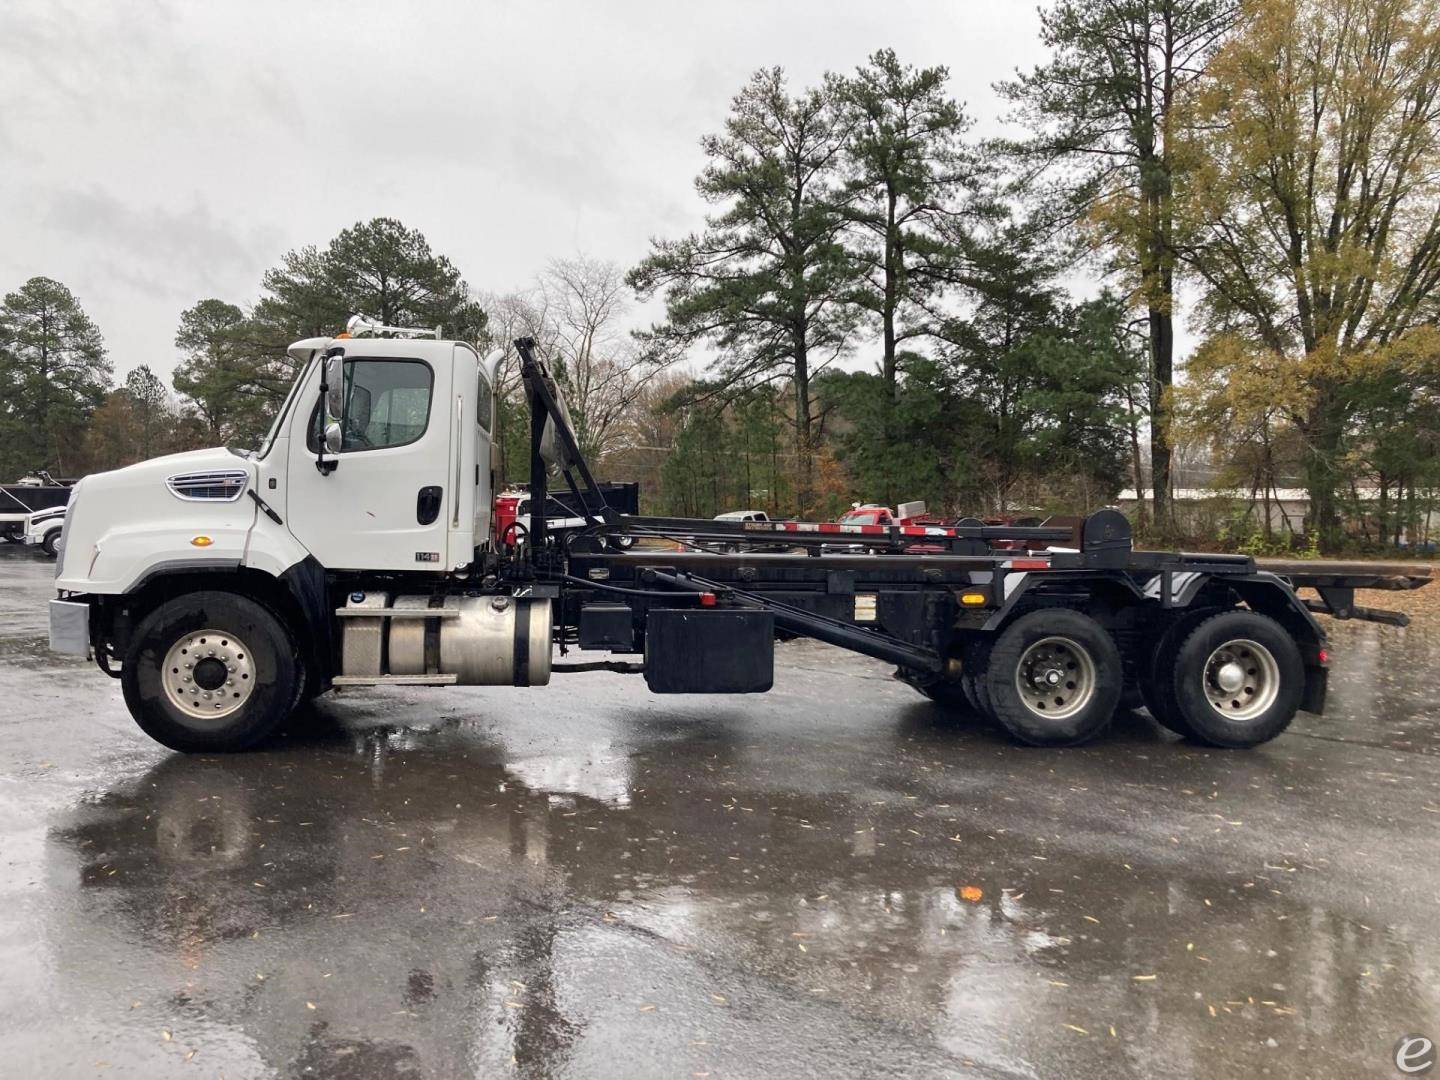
(707, 599)
(1324, 657)
(1029, 564)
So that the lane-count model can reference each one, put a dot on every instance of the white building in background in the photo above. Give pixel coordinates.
(1287, 507)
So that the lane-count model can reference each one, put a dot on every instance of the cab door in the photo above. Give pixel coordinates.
(386, 501)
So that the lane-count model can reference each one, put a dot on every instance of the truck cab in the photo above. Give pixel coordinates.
(399, 480)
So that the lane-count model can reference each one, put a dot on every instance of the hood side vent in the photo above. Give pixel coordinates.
(225, 485)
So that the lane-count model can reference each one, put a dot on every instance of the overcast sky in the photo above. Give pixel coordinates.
(154, 154)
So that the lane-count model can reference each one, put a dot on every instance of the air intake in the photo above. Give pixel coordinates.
(224, 486)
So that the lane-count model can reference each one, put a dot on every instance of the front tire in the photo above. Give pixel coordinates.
(1053, 679)
(1238, 680)
(210, 672)
(48, 545)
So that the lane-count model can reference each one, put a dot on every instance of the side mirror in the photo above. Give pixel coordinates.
(335, 389)
(332, 431)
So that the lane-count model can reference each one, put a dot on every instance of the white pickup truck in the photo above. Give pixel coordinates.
(45, 528)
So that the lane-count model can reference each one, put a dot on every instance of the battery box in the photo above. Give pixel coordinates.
(607, 626)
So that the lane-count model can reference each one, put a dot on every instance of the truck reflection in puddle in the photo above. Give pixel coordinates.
(444, 913)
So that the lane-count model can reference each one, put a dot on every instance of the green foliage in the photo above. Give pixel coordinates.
(53, 374)
(1107, 115)
(763, 283)
(907, 174)
(150, 403)
(235, 369)
(378, 268)
(1050, 378)
(232, 385)
(910, 445)
(1308, 218)
(728, 457)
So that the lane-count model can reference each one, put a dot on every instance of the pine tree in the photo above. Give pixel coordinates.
(53, 374)
(764, 283)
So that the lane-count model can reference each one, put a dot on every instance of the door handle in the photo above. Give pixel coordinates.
(427, 504)
(459, 441)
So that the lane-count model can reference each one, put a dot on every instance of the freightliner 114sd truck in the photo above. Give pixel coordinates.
(355, 547)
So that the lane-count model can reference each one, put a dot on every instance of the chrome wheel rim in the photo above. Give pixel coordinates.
(208, 674)
(1242, 679)
(1055, 678)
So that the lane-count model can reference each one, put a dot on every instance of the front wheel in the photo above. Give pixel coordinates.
(50, 543)
(1053, 678)
(210, 671)
(1238, 680)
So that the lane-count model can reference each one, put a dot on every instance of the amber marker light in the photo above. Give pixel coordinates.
(201, 541)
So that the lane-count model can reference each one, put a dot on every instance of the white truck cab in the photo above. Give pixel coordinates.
(211, 577)
(406, 486)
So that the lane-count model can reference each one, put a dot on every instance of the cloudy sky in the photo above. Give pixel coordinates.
(153, 154)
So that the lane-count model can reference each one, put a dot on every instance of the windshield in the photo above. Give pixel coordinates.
(269, 439)
(859, 517)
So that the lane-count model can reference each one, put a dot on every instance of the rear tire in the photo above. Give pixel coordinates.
(1157, 680)
(210, 672)
(1238, 680)
(1054, 678)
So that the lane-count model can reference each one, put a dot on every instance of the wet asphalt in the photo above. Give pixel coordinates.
(834, 879)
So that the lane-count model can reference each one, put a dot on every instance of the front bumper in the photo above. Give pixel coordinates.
(70, 628)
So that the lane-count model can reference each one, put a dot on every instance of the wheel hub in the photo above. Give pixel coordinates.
(1242, 679)
(1055, 678)
(208, 674)
(1230, 677)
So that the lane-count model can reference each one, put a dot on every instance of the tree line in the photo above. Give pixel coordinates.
(882, 306)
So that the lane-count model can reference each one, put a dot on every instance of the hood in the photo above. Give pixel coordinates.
(121, 520)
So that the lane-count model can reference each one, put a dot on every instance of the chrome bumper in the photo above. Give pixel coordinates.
(70, 628)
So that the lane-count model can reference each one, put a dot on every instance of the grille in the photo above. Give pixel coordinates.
(224, 486)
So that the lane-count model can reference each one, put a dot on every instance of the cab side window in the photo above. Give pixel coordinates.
(483, 403)
(387, 403)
